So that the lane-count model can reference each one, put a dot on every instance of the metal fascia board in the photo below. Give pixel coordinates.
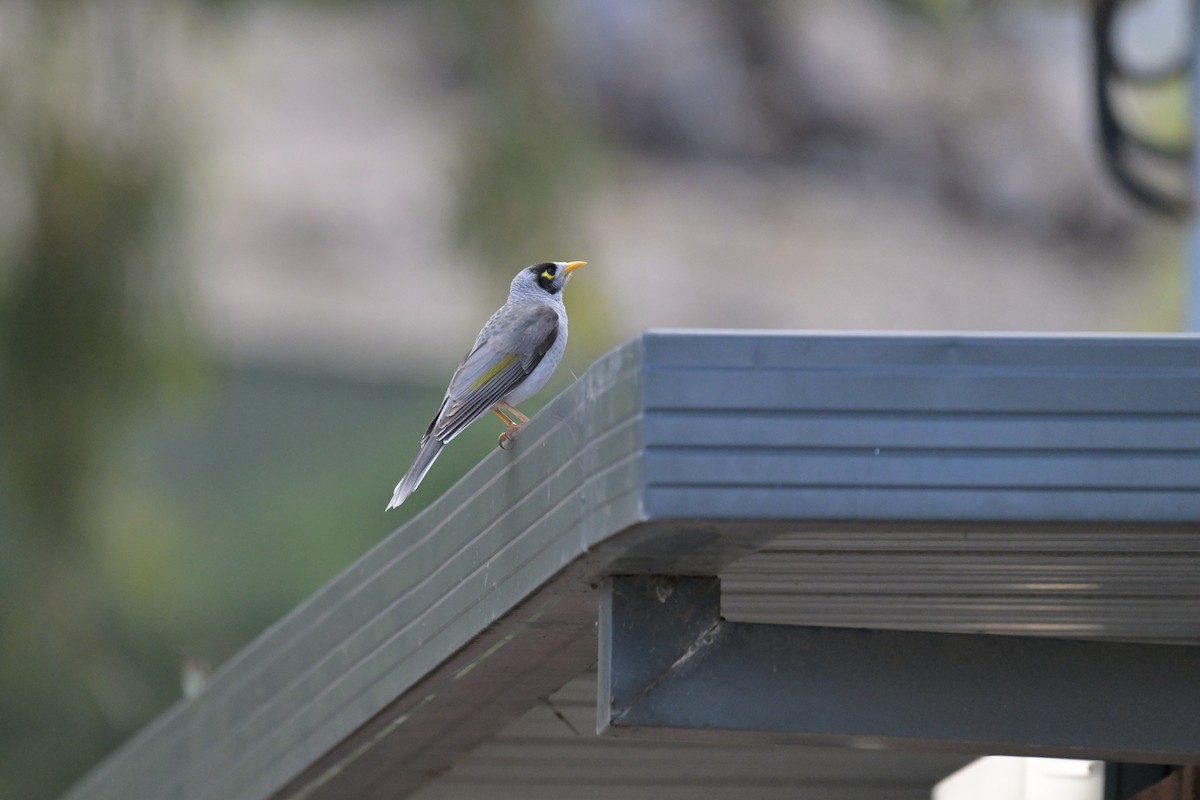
(810, 427)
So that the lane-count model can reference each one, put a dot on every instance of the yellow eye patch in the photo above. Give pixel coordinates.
(548, 275)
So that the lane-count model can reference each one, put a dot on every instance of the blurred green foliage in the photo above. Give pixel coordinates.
(86, 333)
(208, 521)
(74, 349)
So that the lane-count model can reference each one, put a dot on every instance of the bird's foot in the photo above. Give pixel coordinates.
(509, 436)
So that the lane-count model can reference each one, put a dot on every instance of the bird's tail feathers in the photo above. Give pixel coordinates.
(430, 449)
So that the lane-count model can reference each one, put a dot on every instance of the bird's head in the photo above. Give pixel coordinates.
(549, 277)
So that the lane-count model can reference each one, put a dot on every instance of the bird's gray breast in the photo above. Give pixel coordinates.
(545, 368)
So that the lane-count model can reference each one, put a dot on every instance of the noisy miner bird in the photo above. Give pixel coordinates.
(512, 358)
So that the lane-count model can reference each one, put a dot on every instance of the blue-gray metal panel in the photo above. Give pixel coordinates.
(670, 663)
(957, 503)
(769, 350)
(923, 427)
(1098, 434)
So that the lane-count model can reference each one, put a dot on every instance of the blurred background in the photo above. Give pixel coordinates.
(243, 244)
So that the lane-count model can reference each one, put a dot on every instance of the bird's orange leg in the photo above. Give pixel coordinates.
(511, 409)
(511, 428)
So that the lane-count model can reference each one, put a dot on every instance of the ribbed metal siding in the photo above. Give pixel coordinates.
(922, 428)
(1080, 582)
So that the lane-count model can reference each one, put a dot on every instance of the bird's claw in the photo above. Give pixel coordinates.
(508, 437)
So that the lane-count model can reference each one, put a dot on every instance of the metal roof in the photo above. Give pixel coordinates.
(1039, 485)
(1140, 584)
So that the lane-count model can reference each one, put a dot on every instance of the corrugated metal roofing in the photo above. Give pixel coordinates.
(1078, 582)
(996, 484)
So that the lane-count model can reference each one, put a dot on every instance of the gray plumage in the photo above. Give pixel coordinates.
(512, 358)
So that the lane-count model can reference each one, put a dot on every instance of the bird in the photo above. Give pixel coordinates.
(512, 358)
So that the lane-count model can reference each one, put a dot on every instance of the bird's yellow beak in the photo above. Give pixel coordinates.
(574, 265)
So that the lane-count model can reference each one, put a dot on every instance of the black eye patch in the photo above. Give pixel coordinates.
(546, 272)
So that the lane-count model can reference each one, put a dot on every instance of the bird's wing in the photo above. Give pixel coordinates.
(497, 364)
